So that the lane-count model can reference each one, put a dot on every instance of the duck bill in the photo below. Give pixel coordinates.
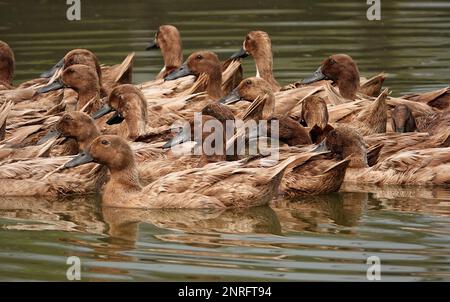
(151, 45)
(400, 129)
(182, 71)
(178, 139)
(80, 159)
(51, 134)
(102, 112)
(322, 147)
(51, 72)
(116, 119)
(231, 98)
(242, 53)
(56, 85)
(316, 76)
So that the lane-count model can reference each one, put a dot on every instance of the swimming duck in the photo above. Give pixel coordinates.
(415, 167)
(226, 184)
(168, 40)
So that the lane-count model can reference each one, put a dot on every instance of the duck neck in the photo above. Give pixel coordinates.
(86, 139)
(136, 126)
(264, 68)
(173, 57)
(269, 106)
(123, 180)
(348, 84)
(358, 157)
(90, 94)
(214, 86)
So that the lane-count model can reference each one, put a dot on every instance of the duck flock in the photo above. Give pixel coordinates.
(83, 128)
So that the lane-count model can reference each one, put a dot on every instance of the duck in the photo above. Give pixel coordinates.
(108, 76)
(135, 119)
(324, 173)
(426, 167)
(257, 91)
(259, 46)
(84, 81)
(394, 142)
(221, 185)
(168, 40)
(7, 66)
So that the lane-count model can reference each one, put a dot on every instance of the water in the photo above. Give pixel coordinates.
(318, 238)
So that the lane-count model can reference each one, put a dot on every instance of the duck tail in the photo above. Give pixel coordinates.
(125, 70)
(4, 112)
(373, 154)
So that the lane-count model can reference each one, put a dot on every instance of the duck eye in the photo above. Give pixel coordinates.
(199, 57)
(332, 62)
(105, 142)
(248, 82)
(67, 118)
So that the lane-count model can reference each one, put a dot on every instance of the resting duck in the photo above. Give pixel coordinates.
(220, 185)
(168, 40)
(416, 167)
(403, 120)
(140, 120)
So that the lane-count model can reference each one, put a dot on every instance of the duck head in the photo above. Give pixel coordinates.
(130, 106)
(75, 57)
(258, 45)
(252, 89)
(76, 125)
(403, 119)
(202, 62)
(344, 141)
(168, 40)
(248, 90)
(314, 112)
(342, 70)
(109, 150)
(7, 64)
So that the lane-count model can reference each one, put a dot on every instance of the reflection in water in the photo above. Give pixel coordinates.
(315, 238)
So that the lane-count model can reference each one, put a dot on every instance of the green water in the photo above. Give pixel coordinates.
(320, 238)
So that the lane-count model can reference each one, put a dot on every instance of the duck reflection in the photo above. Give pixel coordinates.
(124, 223)
(75, 214)
(320, 213)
